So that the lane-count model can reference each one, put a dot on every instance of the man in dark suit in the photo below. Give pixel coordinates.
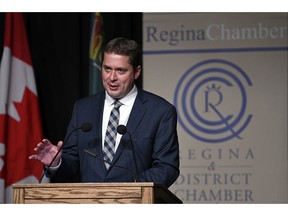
(146, 150)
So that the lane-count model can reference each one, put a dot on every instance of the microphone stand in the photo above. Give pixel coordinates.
(111, 164)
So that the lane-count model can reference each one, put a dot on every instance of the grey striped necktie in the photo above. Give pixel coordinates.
(111, 132)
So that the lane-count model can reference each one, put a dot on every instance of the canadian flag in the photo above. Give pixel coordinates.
(20, 124)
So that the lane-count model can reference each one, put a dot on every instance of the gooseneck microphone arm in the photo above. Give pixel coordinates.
(122, 129)
(84, 127)
(111, 164)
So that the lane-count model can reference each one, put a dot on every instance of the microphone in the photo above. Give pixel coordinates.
(111, 164)
(85, 127)
(122, 129)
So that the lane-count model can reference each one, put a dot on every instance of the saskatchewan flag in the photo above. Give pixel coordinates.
(95, 54)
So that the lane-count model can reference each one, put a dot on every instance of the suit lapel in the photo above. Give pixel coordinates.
(96, 117)
(137, 112)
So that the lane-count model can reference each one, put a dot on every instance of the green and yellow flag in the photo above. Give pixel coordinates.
(96, 45)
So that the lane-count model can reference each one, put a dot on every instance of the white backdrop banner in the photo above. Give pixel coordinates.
(226, 73)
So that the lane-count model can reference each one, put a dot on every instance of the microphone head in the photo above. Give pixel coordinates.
(87, 126)
(121, 129)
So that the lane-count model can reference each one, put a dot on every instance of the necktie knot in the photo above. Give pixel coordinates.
(117, 104)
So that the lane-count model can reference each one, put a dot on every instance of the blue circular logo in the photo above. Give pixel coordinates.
(211, 101)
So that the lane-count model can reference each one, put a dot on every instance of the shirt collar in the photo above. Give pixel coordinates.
(126, 100)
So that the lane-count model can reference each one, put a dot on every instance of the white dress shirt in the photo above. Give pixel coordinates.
(125, 110)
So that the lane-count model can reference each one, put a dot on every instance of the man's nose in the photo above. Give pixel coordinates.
(113, 75)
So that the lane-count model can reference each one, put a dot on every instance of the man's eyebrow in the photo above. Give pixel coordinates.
(117, 68)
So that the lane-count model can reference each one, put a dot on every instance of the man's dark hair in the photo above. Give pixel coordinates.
(127, 47)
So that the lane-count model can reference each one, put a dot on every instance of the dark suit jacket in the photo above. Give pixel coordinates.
(152, 126)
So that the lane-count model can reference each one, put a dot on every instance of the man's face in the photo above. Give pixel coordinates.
(117, 75)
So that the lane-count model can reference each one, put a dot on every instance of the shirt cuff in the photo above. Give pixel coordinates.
(53, 169)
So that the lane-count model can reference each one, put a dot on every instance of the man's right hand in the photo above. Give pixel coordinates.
(45, 152)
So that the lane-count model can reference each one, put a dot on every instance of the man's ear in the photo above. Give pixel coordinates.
(137, 72)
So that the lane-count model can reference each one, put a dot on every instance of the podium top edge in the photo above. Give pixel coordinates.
(88, 184)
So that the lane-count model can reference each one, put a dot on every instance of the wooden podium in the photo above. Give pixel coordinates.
(86, 193)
